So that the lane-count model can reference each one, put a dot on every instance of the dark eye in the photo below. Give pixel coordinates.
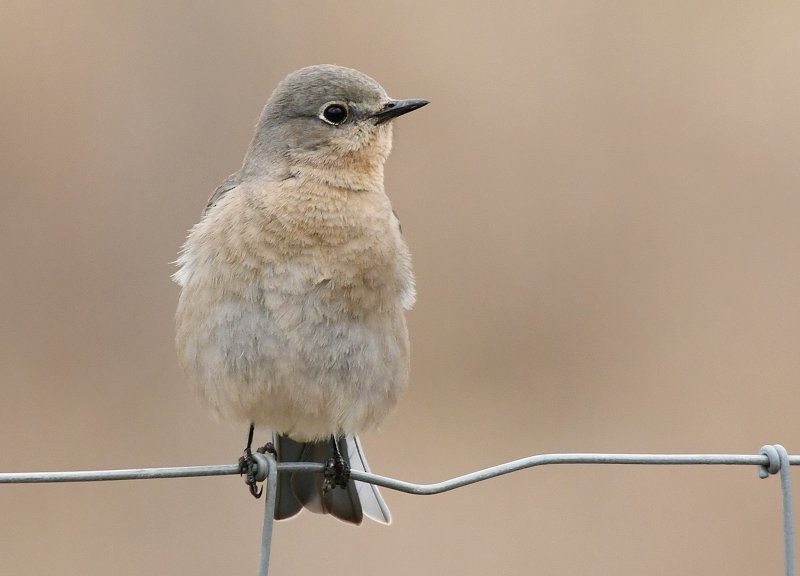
(334, 113)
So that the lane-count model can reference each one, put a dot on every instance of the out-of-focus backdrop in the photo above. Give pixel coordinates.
(603, 201)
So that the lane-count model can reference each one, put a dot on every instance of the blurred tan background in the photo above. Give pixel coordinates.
(603, 203)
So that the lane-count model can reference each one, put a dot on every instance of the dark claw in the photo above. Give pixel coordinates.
(342, 474)
(268, 447)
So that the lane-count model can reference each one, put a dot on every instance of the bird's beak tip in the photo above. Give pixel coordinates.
(395, 108)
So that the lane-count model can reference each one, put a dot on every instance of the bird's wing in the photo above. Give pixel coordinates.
(372, 503)
(396, 217)
(229, 184)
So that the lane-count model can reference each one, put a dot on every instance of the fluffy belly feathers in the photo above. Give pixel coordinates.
(308, 344)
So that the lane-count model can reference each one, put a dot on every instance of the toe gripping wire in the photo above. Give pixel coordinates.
(778, 462)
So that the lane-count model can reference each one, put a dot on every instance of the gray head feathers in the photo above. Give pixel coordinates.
(323, 118)
(305, 91)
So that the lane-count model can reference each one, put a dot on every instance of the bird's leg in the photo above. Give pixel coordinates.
(248, 466)
(337, 470)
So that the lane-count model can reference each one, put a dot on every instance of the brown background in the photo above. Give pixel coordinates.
(602, 200)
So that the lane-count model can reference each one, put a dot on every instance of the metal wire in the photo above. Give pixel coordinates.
(129, 474)
(773, 459)
(761, 460)
(267, 465)
(779, 461)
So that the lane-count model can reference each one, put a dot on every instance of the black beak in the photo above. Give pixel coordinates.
(395, 108)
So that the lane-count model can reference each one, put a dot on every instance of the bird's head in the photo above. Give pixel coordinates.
(326, 121)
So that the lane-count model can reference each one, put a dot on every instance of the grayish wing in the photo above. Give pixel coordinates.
(372, 503)
(229, 184)
(399, 225)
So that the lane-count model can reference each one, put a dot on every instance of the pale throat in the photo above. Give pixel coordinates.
(357, 170)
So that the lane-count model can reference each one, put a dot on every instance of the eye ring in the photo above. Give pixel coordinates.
(334, 113)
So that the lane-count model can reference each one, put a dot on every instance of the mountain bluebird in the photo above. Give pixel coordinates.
(295, 284)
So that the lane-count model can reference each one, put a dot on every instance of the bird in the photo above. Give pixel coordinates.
(295, 285)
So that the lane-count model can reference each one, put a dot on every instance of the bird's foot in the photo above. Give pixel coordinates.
(336, 471)
(268, 447)
(248, 467)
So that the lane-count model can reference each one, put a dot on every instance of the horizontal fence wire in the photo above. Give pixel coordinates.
(392, 483)
(773, 459)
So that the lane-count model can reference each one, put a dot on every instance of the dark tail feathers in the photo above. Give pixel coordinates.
(304, 489)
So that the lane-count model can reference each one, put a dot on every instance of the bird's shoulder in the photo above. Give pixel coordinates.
(227, 185)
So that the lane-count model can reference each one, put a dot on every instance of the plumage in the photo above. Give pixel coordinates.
(296, 280)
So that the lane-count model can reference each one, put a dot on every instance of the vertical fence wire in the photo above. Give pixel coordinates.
(271, 471)
(779, 462)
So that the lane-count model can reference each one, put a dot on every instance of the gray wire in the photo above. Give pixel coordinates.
(267, 463)
(128, 474)
(773, 459)
(549, 459)
(401, 485)
(779, 461)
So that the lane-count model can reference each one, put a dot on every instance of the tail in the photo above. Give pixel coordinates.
(304, 489)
